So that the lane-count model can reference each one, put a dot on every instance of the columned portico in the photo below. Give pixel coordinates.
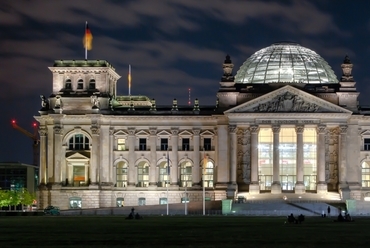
(299, 186)
(276, 186)
(321, 184)
(254, 186)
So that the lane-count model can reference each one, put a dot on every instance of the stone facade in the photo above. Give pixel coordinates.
(98, 149)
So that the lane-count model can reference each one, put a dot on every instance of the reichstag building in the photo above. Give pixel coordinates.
(282, 123)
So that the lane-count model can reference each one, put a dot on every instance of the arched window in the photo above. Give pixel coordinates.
(68, 84)
(143, 174)
(92, 84)
(164, 175)
(79, 142)
(208, 174)
(121, 174)
(186, 174)
(80, 84)
(365, 174)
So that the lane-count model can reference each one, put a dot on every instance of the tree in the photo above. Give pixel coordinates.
(27, 197)
(5, 198)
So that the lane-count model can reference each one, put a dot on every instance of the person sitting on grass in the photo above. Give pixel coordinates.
(300, 218)
(291, 219)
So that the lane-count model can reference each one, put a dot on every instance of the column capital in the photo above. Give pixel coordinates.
(58, 130)
(131, 131)
(196, 131)
(276, 128)
(254, 128)
(153, 131)
(95, 130)
(232, 128)
(299, 129)
(43, 131)
(343, 129)
(174, 131)
(321, 129)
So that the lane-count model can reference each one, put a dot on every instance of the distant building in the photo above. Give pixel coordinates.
(283, 123)
(16, 175)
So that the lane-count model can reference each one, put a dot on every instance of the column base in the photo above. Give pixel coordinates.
(254, 189)
(299, 188)
(276, 188)
(56, 186)
(322, 188)
(221, 186)
(94, 186)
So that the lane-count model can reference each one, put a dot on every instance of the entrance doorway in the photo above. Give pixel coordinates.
(287, 182)
(265, 182)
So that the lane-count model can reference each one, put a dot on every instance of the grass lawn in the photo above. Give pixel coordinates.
(176, 231)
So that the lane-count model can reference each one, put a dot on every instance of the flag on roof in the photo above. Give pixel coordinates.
(87, 40)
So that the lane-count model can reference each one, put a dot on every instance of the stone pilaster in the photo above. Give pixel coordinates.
(299, 186)
(276, 186)
(131, 158)
(196, 158)
(95, 131)
(58, 134)
(111, 148)
(153, 157)
(232, 187)
(254, 186)
(343, 157)
(322, 186)
(43, 170)
(175, 146)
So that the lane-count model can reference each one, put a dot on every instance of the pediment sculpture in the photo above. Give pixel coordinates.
(287, 102)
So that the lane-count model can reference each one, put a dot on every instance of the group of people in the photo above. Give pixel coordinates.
(134, 215)
(293, 220)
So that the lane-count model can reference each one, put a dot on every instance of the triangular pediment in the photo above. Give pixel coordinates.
(77, 156)
(365, 133)
(164, 133)
(185, 133)
(120, 133)
(142, 133)
(288, 100)
(207, 133)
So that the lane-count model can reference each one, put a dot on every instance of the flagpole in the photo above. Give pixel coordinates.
(204, 189)
(85, 41)
(168, 175)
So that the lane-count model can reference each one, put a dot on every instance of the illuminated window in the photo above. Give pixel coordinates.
(186, 174)
(141, 201)
(121, 144)
(120, 202)
(162, 200)
(208, 174)
(265, 158)
(79, 142)
(288, 158)
(75, 202)
(143, 174)
(164, 175)
(365, 174)
(79, 175)
(121, 174)
(309, 158)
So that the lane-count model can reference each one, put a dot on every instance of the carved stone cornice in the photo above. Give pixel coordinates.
(276, 128)
(43, 131)
(321, 129)
(299, 129)
(232, 129)
(58, 130)
(254, 129)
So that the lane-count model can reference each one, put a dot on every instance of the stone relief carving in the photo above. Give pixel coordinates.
(287, 102)
(58, 130)
(331, 163)
(43, 131)
(232, 128)
(95, 102)
(95, 130)
(243, 156)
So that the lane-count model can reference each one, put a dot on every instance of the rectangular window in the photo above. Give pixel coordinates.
(185, 144)
(142, 144)
(162, 201)
(164, 144)
(366, 144)
(207, 144)
(121, 144)
(141, 201)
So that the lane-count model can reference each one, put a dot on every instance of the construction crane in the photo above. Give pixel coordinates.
(35, 140)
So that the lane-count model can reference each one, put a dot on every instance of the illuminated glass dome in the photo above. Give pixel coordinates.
(285, 63)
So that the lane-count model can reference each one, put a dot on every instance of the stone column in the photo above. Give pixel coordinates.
(342, 163)
(299, 186)
(95, 131)
(321, 182)
(174, 157)
(276, 187)
(153, 157)
(233, 153)
(58, 133)
(223, 157)
(196, 153)
(254, 187)
(63, 166)
(50, 155)
(43, 170)
(131, 158)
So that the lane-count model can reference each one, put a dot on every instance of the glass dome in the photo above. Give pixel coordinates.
(285, 63)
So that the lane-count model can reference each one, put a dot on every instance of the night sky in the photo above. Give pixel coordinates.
(172, 45)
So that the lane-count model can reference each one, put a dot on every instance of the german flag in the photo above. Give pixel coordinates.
(87, 40)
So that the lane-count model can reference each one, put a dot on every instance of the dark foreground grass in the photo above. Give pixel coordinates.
(185, 231)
